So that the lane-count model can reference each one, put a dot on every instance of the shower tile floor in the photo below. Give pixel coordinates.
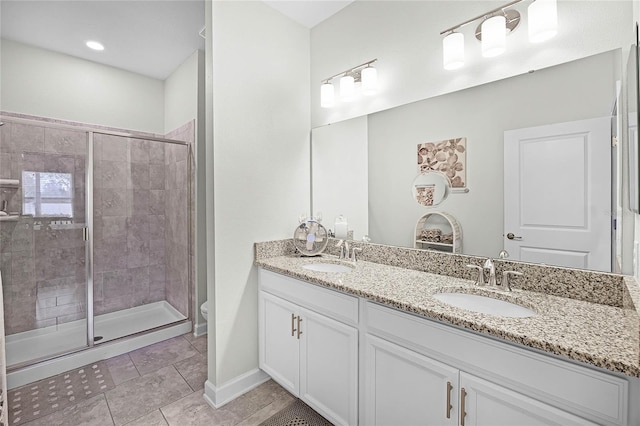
(158, 385)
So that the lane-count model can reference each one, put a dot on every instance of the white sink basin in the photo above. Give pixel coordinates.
(327, 267)
(484, 305)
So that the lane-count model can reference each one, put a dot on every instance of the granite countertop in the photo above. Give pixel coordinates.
(597, 334)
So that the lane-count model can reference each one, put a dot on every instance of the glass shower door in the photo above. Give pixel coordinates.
(43, 243)
(140, 238)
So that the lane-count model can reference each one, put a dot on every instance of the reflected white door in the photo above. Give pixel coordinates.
(557, 194)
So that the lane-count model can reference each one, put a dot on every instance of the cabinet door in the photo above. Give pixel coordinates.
(404, 388)
(279, 347)
(489, 404)
(329, 368)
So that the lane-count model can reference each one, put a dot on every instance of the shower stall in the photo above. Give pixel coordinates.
(95, 243)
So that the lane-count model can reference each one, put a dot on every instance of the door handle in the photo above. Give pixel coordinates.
(449, 406)
(511, 236)
(463, 413)
(293, 325)
(299, 328)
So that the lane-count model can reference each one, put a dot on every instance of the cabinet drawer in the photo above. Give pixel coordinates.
(583, 391)
(334, 304)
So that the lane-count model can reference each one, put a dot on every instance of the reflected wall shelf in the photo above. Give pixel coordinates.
(438, 231)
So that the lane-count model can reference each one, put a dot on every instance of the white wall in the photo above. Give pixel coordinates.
(181, 94)
(340, 178)
(48, 84)
(405, 38)
(261, 123)
(481, 114)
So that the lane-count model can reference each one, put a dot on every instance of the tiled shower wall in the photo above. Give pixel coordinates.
(141, 245)
(42, 263)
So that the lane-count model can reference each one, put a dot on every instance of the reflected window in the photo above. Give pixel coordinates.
(47, 194)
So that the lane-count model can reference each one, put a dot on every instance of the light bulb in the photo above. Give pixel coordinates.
(543, 20)
(369, 77)
(347, 88)
(494, 36)
(327, 95)
(453, 51)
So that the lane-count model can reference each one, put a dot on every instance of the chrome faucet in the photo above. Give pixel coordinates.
(344, 249)
(345, 253)
(488, 265)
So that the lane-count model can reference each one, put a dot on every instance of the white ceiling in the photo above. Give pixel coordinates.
(149, 37)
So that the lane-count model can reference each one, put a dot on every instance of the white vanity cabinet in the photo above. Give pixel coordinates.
(309, 344)
(403, 387)
(413, 366)
(358, 362)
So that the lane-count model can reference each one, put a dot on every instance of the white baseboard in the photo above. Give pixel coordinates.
(200, 329)
(218, 396)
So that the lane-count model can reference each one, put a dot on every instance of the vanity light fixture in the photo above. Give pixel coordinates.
(327, 95)
(453, 51)
(543, 20)
(95, 45)
(369, 77)
(347, 88)
(495, 25)
(494, 36)
(365, 74)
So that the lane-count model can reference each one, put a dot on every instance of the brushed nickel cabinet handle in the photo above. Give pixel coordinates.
(299, 328)
(449, 406)
(463, 413)
(293, 325)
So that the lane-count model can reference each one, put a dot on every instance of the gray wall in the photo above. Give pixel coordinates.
(49, 84)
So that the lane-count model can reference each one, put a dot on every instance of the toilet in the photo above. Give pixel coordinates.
(204, 310)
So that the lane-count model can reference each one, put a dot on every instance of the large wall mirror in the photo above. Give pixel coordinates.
(373, 160)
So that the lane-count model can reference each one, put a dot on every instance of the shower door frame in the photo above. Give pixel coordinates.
(88, 231)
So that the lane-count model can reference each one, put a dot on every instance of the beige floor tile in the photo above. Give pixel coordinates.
(194, 370)
(154, 418)
(161, 354)
(263, 414)
(121, 368)
(193, 410)
(138, 397)
(90, 412)
(256, 399)
(200, 342)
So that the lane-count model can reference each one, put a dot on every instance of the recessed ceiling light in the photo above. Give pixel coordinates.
(95, 45)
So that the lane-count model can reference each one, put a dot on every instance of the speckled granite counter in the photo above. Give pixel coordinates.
(605, 334)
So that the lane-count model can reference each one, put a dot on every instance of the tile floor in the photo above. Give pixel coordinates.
(158, 385)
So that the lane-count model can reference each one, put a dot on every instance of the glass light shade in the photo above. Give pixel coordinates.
(347, 88)
(95, 45)
(494, 36)
(543, 20)
(369, 76)
(327, 95)
(453, 51)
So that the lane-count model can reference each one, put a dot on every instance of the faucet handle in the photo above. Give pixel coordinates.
(480, 279)
(353, 253)
(506, 282)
